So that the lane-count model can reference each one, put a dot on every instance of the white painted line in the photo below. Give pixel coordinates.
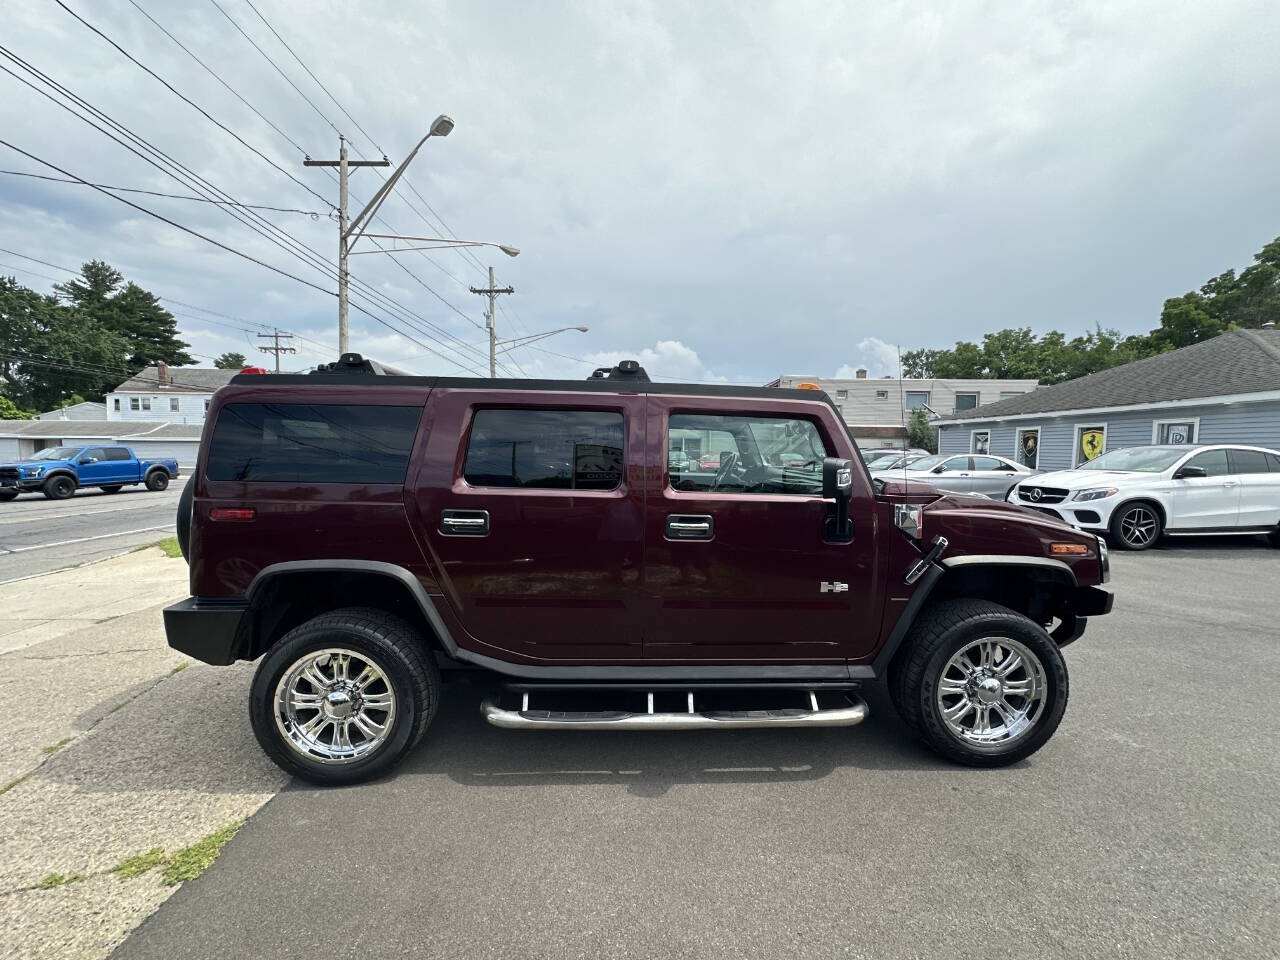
(101, 536)
(81, 513)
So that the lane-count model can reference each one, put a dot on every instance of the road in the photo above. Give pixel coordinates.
(1146, 828)
(39, 535)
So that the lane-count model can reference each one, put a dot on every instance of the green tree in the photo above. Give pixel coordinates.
(53, 351)
(1226, 302)
(11, 411)
(230, 361)
(920, 433)
(130, 311)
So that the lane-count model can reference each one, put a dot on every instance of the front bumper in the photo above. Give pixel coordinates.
(1092, 515)
(205, 628)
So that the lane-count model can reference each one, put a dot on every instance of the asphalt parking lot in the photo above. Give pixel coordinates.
(1147, 828)
(39, 535)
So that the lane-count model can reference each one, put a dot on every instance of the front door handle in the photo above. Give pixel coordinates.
(464, 523)
(690, 526)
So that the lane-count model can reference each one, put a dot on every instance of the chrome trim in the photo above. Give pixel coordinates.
(848, 716)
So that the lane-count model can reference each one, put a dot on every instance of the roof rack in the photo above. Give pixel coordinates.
(625, 370)
(355, 363)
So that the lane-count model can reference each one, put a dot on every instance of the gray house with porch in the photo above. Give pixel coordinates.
(1224, 390)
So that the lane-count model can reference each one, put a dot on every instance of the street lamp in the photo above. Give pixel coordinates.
(436, 243)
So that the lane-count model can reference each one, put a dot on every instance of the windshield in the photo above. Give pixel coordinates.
(1137, 460)
(928, 463)
(879, 463)
(56, 453)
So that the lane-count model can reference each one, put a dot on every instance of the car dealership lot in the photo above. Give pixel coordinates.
(1145, 828)
(39, 535)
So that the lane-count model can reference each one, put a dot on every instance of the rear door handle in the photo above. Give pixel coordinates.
(464, 523)
(690, 526)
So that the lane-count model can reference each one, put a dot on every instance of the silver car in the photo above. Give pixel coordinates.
(963, 473)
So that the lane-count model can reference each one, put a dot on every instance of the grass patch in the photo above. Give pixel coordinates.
(189, 862)
(13, 783)
(52, 880)
(55, 747)
(170, 546)
(179, 668)
(137, 865)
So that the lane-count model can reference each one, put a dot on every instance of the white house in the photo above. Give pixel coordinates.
(877, 410)
(158, 412)
(158, 393)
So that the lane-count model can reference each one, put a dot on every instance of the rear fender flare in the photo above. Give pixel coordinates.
(390, 570)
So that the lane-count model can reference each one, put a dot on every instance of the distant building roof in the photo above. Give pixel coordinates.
(76, 411)
(122, 431)
(161, 379)
(1230, 364)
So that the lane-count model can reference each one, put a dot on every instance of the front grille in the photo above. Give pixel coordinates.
(1045, 510)
(8, 473)
(1034, 494)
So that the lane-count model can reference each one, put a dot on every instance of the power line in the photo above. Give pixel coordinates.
(174, 196)
(200, 183)
(125, 53)
(164, 219)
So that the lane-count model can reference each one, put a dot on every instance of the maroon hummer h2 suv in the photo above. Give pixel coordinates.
(605, 554)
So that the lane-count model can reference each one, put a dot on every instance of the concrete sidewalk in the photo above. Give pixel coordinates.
(120, 750)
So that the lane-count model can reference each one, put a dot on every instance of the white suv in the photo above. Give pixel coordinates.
(1139, 493)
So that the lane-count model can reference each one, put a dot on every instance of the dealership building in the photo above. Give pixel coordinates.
(1223, 390)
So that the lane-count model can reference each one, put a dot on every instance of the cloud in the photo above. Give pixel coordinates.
(773, 189)
(878, 358)
(668, 360)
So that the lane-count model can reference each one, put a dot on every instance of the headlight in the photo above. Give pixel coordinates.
(1101, 493)
(33, 471)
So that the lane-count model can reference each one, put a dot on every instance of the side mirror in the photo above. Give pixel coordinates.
(88, 460)
(1185, 473)
(940, 468)
(837, 479)
(837, 485)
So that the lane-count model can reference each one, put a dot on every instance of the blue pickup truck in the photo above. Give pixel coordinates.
(58, 472)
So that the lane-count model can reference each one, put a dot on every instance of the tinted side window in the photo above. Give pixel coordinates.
(745, 454)
(1213, 462)
(955, 465)
(312, 443)
(989, 463)
(545, 449)
(1248, 461)
(1273, 460)
(96, 452)
(117, 453)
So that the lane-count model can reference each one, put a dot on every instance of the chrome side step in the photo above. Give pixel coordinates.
(853, 711)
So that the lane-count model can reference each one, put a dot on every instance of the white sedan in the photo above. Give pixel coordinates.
(1140, 493)
(963, 473)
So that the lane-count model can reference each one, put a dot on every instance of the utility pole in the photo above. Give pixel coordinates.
(276, 337)
(344, 243)
(491, 319)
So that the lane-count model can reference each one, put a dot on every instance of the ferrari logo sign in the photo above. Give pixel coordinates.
(1091, 443)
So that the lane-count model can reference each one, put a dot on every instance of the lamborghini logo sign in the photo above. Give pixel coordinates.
(1091, 443)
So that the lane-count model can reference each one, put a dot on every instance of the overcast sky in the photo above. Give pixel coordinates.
(723, 190)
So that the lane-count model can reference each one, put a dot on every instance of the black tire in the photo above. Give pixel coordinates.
(402, 654)
(1135, 525)
(157, 480)
(61, 487)
(183, 521)
(1273, 539)
(940, 633)
(113, 488)
(7, 495)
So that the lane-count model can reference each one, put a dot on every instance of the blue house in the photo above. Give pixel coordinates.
(1223, 390)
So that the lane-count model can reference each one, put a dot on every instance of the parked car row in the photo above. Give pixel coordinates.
(1134, 496)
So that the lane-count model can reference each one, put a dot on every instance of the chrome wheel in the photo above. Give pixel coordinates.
(1138, 526)
(335, 705)
(991, 693)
